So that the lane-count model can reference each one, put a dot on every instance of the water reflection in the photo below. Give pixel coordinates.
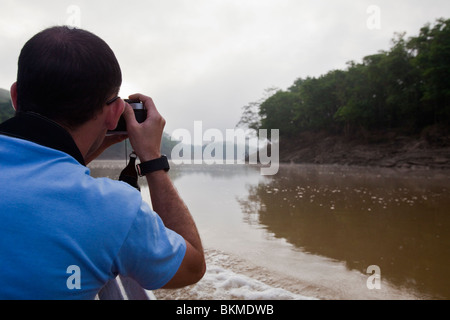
(397, 220)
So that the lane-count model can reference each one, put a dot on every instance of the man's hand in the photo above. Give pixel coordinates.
(145, 137)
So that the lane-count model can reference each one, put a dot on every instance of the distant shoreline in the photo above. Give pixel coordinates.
(428, 150)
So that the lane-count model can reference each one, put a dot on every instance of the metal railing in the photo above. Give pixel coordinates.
(123, 288)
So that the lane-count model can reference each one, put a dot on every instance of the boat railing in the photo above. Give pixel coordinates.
(124, 288)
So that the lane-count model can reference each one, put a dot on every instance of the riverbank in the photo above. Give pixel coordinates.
(429, 150)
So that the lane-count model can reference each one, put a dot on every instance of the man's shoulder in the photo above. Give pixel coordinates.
(113, 192)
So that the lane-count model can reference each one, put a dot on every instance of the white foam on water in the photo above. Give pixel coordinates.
(222, 283)
(230, 285)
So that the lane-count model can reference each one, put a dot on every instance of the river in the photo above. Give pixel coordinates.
(312, 232)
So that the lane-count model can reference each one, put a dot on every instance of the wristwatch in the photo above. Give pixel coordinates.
(153, 165)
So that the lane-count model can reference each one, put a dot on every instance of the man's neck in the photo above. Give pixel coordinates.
(88, 137)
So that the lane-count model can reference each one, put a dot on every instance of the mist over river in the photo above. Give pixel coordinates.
(312, 232)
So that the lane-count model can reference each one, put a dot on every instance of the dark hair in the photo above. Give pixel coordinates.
(67, 75)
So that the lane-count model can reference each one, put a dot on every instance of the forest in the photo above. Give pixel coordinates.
(405, 89)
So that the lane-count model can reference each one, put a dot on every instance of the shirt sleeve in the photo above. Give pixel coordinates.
(151, 253)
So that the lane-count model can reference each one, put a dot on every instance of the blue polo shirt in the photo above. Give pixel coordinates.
(63, 233)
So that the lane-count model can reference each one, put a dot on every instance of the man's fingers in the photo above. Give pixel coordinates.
(128, 113)
(148, 103)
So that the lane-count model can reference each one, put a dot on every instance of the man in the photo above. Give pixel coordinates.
(57, 221)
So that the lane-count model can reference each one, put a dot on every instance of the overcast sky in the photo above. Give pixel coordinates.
(206, 59)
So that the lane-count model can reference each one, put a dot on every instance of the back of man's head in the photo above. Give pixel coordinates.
(67, 75)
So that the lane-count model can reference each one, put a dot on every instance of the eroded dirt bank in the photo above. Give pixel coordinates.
(430, 149)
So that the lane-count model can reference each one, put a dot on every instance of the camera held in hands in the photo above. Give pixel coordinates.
(139, 112)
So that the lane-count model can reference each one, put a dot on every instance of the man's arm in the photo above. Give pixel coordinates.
(175, 215)
(145, 139)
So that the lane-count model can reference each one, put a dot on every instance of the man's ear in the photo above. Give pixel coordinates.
(113, 113)
(13, 93)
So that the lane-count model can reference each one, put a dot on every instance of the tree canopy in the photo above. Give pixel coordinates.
(406, 88)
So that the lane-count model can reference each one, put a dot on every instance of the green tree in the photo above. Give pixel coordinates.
(318, 101)
(432, 59)
(405, 88)
(251, 117)
(277, 112)
(402, 88)
(355, 110)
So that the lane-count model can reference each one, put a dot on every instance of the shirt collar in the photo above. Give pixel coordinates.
(33, 127)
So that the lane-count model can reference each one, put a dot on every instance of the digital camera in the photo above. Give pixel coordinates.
(139, 112)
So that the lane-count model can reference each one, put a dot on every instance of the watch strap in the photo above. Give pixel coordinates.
(161, 163)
